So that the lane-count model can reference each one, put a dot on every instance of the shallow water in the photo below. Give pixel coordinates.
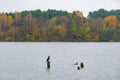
(27, 61)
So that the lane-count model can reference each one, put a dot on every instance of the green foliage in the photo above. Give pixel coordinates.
(102, 13)
(116, 34)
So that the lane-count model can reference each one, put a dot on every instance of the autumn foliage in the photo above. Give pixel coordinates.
(58, 25)
(111, 21)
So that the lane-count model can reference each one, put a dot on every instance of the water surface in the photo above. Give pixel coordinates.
(27, 61)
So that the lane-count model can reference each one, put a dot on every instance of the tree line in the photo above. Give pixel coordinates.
(102, 13)
(58, 25)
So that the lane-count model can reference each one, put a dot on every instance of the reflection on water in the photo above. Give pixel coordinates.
(27, 61)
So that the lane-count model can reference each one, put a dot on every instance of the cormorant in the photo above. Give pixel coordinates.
(48, 58)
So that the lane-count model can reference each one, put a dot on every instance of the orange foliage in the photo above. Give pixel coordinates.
(3, 19)
(111, 20)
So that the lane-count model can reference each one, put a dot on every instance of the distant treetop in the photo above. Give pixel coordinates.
(102, 13)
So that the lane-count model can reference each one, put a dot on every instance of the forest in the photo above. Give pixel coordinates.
(60, 26)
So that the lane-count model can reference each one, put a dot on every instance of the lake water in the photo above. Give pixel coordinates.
(27, 61)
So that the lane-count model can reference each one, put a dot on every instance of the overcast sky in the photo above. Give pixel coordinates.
(69, 5)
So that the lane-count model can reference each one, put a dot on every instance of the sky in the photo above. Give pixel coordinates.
(68, 5)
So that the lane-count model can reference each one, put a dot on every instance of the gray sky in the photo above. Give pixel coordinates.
(69, 5)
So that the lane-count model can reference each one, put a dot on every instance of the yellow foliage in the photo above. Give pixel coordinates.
(87, 29)
(60, 30)
(10, 20)
(87, 37)
(105, 28)
(97, 38)
(79, 13)
(32, 38)
(54, 19)
(17, 15)
(34, 33)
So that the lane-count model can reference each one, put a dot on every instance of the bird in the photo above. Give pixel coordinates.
(48, 58)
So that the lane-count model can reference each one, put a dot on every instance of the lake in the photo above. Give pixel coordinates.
(27, 60)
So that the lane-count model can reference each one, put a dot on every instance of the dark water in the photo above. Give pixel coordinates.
(27, 61)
